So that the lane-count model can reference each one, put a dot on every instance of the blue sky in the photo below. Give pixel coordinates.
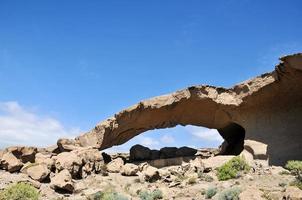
(66, 65)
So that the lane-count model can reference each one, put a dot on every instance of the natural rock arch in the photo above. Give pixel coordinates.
(268, 108)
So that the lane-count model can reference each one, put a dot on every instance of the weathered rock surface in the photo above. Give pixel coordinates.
(10, 163)
(129, 169)
(38, 172)
(62, 181)
(139, 152)
(215, 162)
(115, 165)
(268, 109)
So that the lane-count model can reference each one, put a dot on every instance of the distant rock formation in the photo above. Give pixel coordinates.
(267, 109)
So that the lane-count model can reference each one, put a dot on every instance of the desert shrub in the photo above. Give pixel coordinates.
(295, 167)
(230, 194)
(231, 168)
(205, 177)
(211, 192)
(109, 195)
(192, 180)
(19, 191)
(155, 194)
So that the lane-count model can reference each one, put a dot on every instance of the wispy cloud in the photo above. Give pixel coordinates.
(21, 126)
(205, 133)
(167, 139)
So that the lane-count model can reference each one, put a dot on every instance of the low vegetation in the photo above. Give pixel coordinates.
(295, 167)
(230, 194)
(19, 191)
(109, 195)
(210, 192)
(232, 168)
(155, 194)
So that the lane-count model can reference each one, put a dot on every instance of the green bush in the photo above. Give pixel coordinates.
(19, 191)
(156, 194)
(232, 168)
(230, 194)
(211, 192)
(295, 167)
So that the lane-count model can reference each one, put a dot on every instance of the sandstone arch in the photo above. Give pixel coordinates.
(268, 108)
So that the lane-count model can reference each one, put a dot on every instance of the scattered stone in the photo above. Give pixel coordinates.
(115, 165)
(10, 163)
(62, 181)
(139, 152)
(129, 169)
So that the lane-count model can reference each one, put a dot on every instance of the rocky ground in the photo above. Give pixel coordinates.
(64, 172)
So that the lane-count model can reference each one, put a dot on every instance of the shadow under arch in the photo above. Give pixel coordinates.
(234, 135)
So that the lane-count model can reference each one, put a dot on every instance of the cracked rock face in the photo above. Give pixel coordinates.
(267, 108)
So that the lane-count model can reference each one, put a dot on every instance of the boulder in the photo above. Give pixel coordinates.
(139, 152)
(38, 172)
(258, 150)
(251, 194)
(47, 159)
(129, 169)
(115, 165)
(69, 161)
(155, 154)
(106, 157)
(62, 181)
(293, 193)
(10, 163)
(168, 152)
(216, 161)
(185, 151)
(24, 153)
(151, 174)
(66, 145)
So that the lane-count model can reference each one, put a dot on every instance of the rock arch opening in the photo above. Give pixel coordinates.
(233, 135)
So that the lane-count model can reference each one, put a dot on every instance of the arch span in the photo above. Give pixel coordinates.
(267, 107)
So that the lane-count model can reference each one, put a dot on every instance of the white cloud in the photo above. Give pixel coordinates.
(21, 126)
(167, 139)
(205, 133)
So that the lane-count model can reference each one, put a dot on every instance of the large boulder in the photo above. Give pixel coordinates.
(69, 161)
(185, 151)
(155, 154)
(255, 152)
(62, 181)
(10, 163)
(38, 172)
(139, 152)
(24, 153)
(129, 169)
(67, 145)
(168, 152)
(46, 159)
(115, 165)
